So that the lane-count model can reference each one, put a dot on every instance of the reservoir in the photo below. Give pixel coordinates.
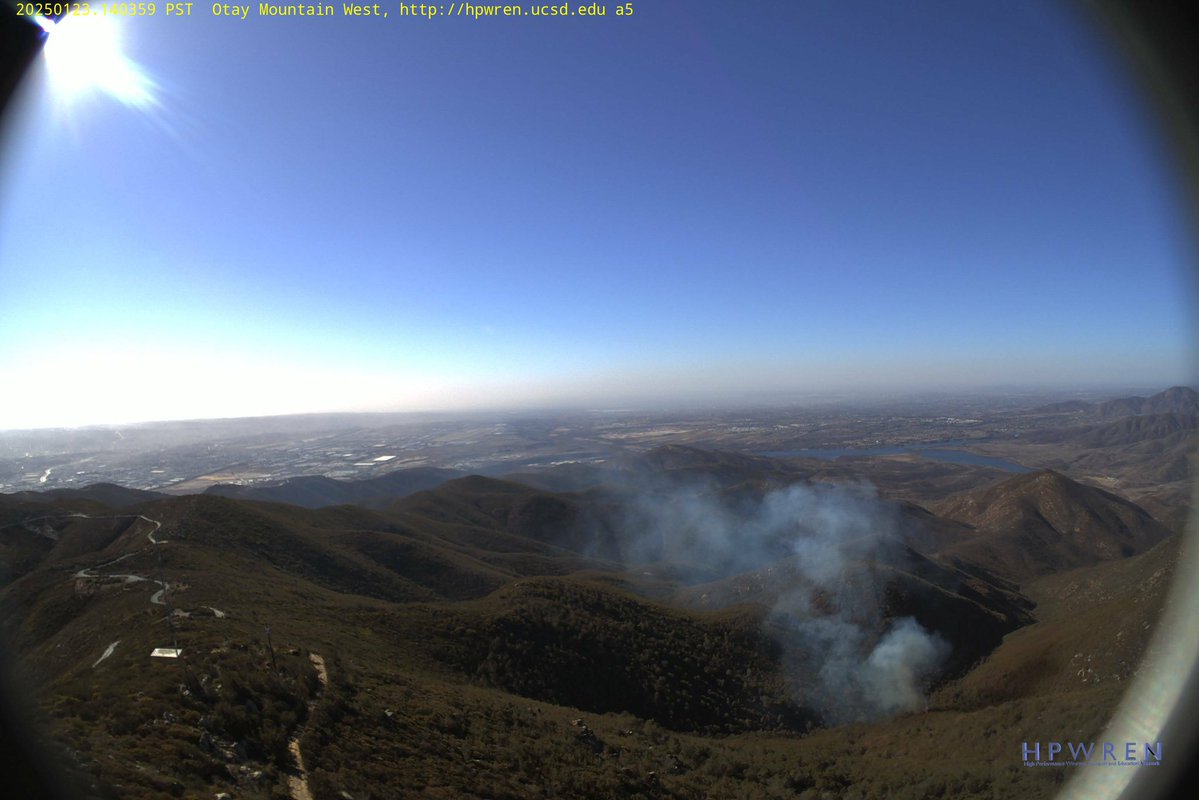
(934, 452)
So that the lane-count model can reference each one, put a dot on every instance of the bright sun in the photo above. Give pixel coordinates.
(83, 55)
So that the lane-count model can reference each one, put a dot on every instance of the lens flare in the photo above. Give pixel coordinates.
(84, 56)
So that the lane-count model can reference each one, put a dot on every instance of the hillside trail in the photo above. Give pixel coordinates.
(297, 784)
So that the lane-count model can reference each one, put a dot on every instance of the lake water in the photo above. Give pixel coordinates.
(933, 452)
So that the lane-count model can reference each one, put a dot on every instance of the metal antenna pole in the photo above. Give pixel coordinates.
(271, 647)
(166, 599)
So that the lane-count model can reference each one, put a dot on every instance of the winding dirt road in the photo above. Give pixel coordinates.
(127, 577)
(297, 783)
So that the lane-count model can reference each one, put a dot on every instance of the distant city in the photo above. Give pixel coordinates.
(190, 456)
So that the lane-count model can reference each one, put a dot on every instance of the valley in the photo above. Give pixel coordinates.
(632, 607)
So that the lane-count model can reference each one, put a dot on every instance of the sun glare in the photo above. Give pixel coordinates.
(83, 55)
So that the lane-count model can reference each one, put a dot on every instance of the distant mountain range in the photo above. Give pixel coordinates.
(1172, 427)
(1175, 400)
(1148, 447)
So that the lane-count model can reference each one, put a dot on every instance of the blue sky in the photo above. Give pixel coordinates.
(703, 199)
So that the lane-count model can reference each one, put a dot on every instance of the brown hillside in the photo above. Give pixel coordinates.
(1093, 629)
(1045, 522)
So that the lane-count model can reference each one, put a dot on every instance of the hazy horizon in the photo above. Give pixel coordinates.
(688, 206)
(782, 400)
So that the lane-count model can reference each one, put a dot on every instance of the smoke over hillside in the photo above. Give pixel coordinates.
(819, 556)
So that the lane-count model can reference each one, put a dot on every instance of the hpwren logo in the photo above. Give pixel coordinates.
(1089, 754)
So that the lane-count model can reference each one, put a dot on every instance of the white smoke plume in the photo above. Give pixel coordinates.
(812, 552)
(899, 664)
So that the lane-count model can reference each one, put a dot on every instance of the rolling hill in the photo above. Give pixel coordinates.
(1044, 522)
(318, 491)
